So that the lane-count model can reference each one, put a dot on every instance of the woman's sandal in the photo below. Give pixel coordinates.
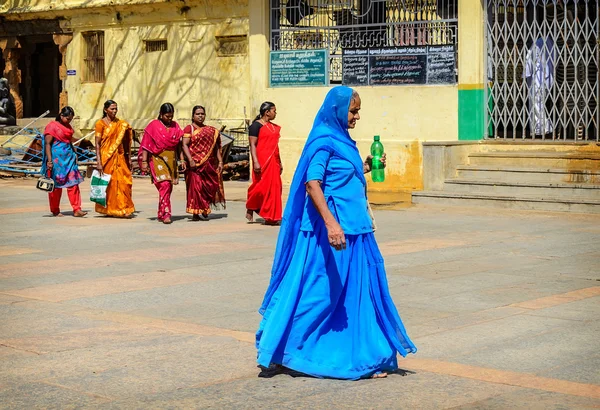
(379, 375)
(195, 217)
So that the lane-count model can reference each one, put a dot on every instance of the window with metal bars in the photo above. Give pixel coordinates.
(93, 57)
(155, 45)
(339, 24)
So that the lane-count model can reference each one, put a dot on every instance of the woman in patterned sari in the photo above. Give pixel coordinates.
(264, 195)
(202, 147)
(159, 151)
(113, 156)
(59, 162)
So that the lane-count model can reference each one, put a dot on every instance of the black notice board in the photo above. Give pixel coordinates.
(441, 65)
(355, 63)
(418, 65)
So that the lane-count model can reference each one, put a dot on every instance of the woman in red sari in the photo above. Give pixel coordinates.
(202, 147)
(159, 152)
(264, 195)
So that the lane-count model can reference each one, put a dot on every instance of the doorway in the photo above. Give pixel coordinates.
(40, 86)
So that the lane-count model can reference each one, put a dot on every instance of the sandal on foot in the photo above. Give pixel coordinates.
(195, 217)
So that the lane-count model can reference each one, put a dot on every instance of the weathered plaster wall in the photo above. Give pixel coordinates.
(402, 116)
(190, 72)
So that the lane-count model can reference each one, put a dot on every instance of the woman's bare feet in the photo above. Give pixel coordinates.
(58, 215)
(79, 214)
(167, 221)
(381, 375)
(250, 215)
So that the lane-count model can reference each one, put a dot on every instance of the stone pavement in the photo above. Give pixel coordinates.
(107, 313)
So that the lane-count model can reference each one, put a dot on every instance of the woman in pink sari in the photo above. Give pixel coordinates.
(159, 152)
(203, 180)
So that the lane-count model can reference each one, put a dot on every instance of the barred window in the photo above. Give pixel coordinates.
(93, 57)
(339, 24)
(155, 45)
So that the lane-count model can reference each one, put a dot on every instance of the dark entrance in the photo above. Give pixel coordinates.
(40, 85)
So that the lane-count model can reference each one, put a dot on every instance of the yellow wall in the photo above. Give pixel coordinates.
(471, 43)
(402, 116)
(190, 72)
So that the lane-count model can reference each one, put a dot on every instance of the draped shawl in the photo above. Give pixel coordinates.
(329, 133)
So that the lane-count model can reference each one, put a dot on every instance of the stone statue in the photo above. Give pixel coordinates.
(8, 111)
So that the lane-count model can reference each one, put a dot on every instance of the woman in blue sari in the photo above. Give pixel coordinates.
(59, 162)
(328, 311)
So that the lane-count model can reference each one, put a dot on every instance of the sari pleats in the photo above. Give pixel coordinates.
(204, 183)
(264, 195)
(115, 137)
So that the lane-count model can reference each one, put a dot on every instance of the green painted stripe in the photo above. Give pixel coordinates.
(470, 114)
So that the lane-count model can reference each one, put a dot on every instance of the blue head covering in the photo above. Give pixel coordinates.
(329, 133)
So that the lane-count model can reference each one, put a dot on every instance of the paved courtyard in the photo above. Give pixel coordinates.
(504, 307)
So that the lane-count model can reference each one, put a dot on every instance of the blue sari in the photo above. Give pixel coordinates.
(65, 171)
(329, 313)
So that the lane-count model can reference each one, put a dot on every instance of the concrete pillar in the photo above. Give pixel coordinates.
(62, 41)
(258, 54)
(471, 107)
(10, 52)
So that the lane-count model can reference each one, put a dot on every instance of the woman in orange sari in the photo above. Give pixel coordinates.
(113, 156)
(203, 180)
(264, 195)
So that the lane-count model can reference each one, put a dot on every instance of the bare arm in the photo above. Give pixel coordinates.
(98, 156)
(335, 233)
(186, 151)
(48, 147)
(219, 156)
(256, 164)
(181, 162)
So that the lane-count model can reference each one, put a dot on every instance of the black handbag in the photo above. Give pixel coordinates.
(45, 183)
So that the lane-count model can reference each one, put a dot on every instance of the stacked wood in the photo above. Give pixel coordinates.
(233, 171)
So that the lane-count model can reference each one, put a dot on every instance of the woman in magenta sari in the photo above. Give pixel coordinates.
(60, 163)
(159, 152)
(202, 147)
(264, 195)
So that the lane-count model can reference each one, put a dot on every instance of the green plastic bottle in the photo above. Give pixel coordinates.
(377, 171)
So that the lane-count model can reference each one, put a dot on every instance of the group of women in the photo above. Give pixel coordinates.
(327, 311)
(165, 151)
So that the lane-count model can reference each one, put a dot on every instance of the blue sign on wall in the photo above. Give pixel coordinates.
(299, 68)
(71, 72)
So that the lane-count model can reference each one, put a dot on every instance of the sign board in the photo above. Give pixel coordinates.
(71, 72)
(299, 68)
(418, 65)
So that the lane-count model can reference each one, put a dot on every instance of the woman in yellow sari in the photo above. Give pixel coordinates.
(113, 156)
